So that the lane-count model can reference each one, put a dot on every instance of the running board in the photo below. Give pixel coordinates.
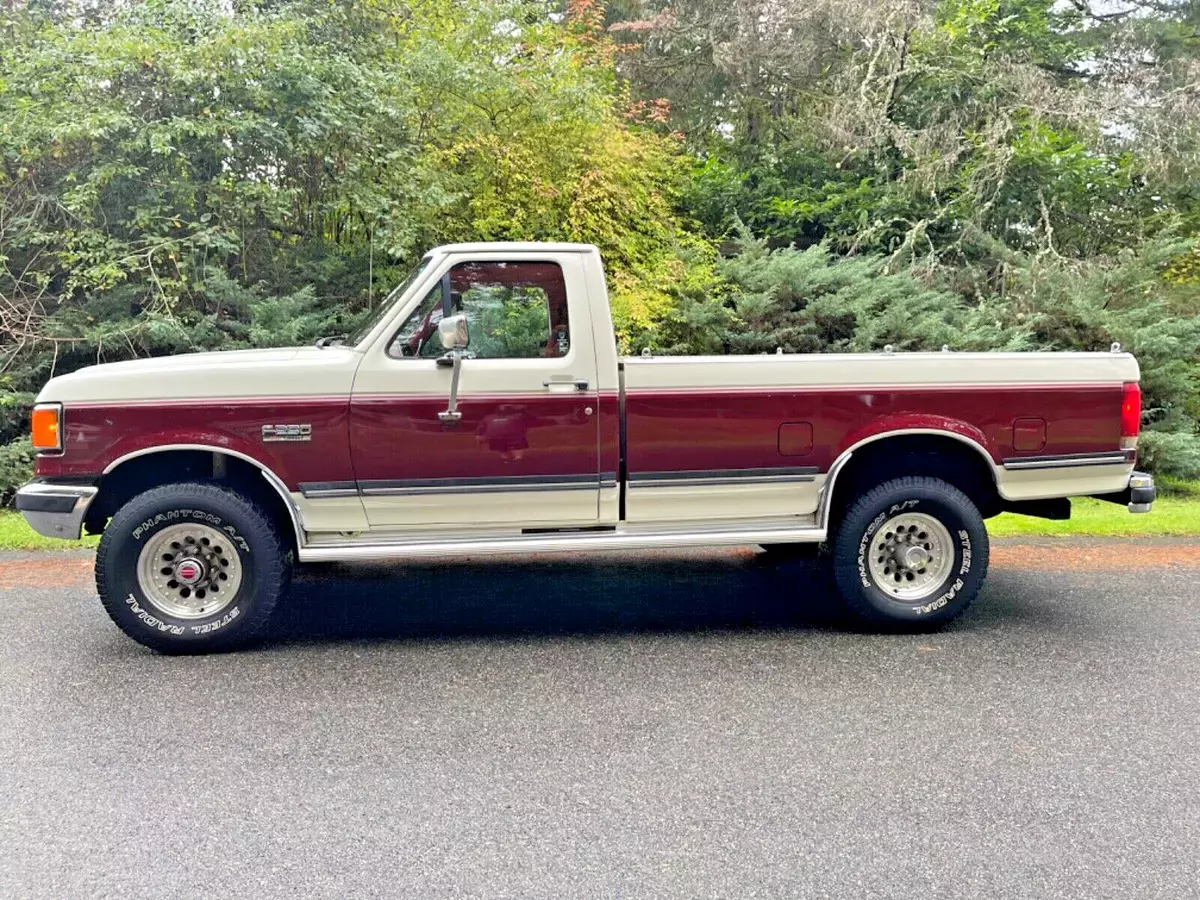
(364, 548)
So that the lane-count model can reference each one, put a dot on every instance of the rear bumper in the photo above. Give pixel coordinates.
(55, 510)
(1138, 497)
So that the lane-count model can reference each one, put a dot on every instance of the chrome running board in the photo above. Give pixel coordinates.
(624, 537)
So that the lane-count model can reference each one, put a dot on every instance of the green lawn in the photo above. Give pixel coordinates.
(15, 534)
(1172, 514)
(1176, 511)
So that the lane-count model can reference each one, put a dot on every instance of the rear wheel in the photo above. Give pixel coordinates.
(911, 553)
(191, 568)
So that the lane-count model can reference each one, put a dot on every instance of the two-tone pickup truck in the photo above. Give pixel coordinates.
(484, 409)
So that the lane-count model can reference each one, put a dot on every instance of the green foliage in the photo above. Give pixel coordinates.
(16, 467)
(1174, 453)
(180, 175)
(810, 301)
(14, 413)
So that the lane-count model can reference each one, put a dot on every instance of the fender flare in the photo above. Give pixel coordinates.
(825, 505)
(271, 478)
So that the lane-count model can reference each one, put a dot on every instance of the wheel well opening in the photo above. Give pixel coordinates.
(931, 455)
(142, 473)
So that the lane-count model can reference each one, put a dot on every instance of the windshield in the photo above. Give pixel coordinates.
(385, 305)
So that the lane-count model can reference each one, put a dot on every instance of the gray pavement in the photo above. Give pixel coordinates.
(620, 726)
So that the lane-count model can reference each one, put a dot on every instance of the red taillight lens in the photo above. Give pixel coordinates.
(1131, 410)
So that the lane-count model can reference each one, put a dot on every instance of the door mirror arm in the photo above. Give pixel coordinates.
(455, 338)
(451, 413)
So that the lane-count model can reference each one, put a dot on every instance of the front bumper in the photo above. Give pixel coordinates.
(1138, 497)
(55, 510)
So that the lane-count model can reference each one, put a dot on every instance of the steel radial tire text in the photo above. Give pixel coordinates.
(191, 568)
(910, 554)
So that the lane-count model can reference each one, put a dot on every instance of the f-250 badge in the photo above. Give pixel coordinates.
(276, 433)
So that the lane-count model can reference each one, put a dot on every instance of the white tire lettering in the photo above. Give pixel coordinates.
(219, 623)
(151, 621)
(864, 544)
(197, 514)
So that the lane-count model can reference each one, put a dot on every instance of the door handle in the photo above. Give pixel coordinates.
(567, 381)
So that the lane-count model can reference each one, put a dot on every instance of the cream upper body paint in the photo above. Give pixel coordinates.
(330, 371)
(843, 370)
(285, 372)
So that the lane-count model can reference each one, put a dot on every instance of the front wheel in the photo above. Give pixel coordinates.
(910, 554)
(191, 568)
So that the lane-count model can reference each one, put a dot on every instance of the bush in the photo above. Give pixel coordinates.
(1172, 453)
(16, 467)
(811, 301)
(14, 414)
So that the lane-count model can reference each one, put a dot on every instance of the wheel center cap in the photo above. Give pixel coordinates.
(914, 557)
(189, 571)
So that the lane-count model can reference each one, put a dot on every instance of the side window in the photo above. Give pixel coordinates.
(418, 336)
(515, 310)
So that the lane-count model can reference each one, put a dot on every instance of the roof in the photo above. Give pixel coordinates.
(514, 247)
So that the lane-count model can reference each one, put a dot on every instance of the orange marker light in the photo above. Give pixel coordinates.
(45, 425)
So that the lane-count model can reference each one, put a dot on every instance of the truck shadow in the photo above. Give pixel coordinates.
(553, 595)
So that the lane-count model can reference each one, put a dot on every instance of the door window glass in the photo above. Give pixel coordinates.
(418, 336)
(515, 310)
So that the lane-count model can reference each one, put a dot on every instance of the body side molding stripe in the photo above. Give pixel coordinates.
(715, 477)
(328, 489)
(405, 487)
(1069, 460)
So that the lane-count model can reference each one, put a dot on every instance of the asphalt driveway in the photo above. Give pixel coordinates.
(617, 726)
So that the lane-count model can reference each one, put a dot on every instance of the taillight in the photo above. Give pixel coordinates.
(46, 427)
(1131, 414)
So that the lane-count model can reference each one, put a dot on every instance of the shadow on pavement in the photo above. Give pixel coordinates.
(547, 595)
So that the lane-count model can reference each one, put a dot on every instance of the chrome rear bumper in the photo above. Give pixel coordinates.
(1142, 492)
(1138, 496)
(55, 510)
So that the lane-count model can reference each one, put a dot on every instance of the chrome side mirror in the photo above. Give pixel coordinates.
(455, 337)
(454, 333)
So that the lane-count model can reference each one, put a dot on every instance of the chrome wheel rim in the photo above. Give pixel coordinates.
(189, 571)
(911, 556)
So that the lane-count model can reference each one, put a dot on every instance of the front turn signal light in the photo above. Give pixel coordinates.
(46, 425)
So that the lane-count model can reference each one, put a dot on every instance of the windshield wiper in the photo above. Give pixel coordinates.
(329, 340)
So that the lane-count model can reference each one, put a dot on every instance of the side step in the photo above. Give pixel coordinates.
(369, 546)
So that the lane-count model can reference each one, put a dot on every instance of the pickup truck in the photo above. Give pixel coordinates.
(484, 408)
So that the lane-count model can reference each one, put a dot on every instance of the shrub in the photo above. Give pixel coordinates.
(16, 467)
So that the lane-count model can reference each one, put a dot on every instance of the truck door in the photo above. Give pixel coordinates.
(525, 450)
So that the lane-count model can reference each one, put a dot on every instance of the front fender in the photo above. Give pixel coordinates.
(99, 437)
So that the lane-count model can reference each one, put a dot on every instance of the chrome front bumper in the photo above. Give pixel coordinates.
(55, 510)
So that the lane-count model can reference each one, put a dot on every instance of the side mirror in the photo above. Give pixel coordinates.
(454, 333)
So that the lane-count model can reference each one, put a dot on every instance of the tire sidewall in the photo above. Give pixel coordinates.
(969, 540)
(129, 533)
